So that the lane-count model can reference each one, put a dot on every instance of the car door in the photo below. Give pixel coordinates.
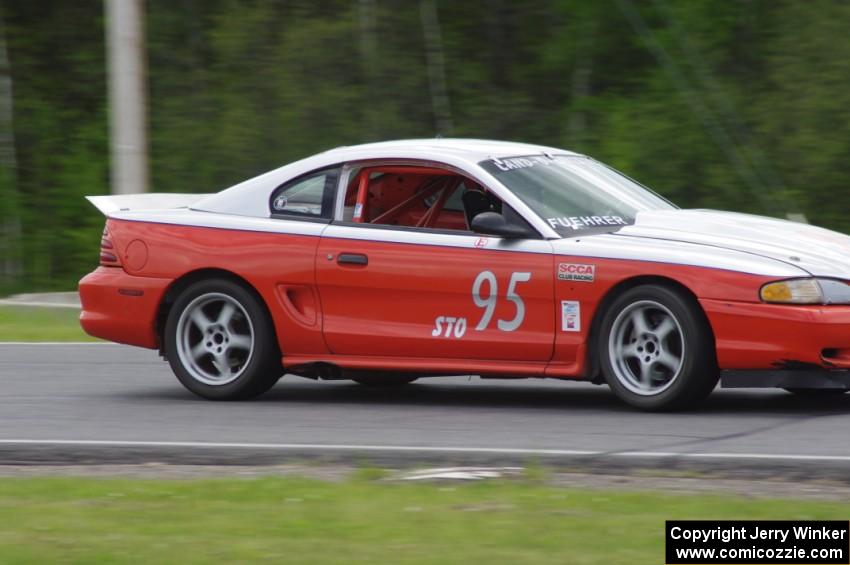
(431, 293)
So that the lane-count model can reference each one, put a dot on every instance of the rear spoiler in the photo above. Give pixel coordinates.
(147, 201)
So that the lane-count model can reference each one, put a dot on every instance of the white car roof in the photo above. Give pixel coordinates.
(250, 198)
(474, 150)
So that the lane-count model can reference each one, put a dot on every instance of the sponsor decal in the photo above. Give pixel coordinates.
(580, 222)
(576, 272)
(521, 162)
(280, 202)
(481, 242)
(570, 316)
(358, 210)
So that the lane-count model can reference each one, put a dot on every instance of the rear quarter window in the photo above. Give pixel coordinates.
(308, 196)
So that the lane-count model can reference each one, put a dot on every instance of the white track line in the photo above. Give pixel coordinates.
(39, 304)
(2, 343)
(424, 449)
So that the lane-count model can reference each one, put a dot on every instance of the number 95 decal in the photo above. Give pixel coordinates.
(450, 326)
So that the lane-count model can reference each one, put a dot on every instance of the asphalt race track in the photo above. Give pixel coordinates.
(109, 403)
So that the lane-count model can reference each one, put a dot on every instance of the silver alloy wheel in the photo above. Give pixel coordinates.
(646, 347)
(215, 339)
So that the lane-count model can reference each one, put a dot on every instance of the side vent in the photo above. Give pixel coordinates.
(108, 254)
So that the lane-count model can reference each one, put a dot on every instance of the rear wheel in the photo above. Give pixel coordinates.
(656, 349)
(220, 342)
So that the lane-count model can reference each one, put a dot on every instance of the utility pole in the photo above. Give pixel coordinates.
(10, 211)
(125, 43)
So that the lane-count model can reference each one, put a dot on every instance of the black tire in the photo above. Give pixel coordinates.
(668, 362)
(384, 380)
(222, 370)
(817, 392)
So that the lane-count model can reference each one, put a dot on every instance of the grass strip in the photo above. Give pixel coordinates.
(39, 323)
(300, 520)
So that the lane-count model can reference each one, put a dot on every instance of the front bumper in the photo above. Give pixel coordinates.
(120, 307)
(778, 336)
(802, 378)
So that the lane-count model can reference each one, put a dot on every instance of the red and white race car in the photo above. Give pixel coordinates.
(386, 262)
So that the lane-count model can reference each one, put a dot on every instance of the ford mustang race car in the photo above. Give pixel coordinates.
(386, 262)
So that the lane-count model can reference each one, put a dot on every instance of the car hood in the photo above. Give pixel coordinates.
(818, 251)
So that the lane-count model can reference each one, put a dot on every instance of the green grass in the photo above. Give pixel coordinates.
(35, 323)
(292, 520)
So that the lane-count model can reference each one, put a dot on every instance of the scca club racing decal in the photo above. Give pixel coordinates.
(576, 272)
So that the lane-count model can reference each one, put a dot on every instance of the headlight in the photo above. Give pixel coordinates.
(806, 291)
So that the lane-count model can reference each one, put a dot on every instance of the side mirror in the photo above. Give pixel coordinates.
(492, 223)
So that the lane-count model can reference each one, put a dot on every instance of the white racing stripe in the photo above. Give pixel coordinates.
(425, 449)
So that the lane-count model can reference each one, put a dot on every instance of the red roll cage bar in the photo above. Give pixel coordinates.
(447, 186)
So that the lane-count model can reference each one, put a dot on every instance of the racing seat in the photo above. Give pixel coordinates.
(475, 202)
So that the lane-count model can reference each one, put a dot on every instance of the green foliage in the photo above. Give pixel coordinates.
(736, 105)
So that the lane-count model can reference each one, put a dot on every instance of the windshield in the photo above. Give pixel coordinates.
(575, 193)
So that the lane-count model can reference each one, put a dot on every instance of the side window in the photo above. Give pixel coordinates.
(454, 203)
(407, 196)
(309, 196)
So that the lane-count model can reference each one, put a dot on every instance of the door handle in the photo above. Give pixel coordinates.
(352, 259)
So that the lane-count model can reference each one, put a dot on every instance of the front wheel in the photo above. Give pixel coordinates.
(220, 342)
(656, 349)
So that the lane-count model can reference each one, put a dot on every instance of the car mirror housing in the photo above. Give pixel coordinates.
(493, 223)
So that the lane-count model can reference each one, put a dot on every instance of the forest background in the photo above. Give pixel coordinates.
(741, 105)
